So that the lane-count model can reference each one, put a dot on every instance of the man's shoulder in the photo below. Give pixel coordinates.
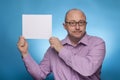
(65, 40)
(94, 38)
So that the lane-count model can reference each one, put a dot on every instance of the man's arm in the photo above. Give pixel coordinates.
(37, 71)
(85, 65)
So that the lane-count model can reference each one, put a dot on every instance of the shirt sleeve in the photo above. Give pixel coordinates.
(85, 65)
(38, 71)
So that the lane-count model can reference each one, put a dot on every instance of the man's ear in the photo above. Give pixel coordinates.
(65, 26)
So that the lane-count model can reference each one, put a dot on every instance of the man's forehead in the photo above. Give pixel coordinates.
(74, 13)
(75, 16)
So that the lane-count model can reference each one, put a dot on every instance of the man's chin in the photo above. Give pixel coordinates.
(77, 36)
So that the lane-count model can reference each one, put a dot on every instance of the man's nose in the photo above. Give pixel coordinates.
(77, 26)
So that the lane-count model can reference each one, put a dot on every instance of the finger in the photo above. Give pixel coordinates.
(51, 40)
(21, 37)
(21, 42)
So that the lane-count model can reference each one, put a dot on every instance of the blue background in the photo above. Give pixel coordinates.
(103, 17)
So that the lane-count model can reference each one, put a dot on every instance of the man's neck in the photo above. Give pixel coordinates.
(73, 40)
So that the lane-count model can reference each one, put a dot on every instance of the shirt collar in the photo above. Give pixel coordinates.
(84, 40)
(66, 41)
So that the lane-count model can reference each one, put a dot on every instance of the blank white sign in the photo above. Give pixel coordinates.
(36, 26)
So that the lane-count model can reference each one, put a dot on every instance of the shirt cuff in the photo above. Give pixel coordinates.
(27, 59)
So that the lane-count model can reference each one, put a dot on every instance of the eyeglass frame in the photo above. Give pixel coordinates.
(80, 23)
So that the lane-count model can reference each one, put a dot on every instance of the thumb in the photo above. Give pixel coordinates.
(22, 41)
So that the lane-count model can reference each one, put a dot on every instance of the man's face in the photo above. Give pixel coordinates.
(75, 24)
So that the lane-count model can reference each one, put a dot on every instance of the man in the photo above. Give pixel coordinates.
(78, 57)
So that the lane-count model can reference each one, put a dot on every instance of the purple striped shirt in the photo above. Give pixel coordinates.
(80, 62)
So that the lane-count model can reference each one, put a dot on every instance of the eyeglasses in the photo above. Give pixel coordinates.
(74, 23)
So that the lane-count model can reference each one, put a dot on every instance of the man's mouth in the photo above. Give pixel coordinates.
(77, 31)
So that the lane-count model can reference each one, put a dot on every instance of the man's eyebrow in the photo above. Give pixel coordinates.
(71, 20)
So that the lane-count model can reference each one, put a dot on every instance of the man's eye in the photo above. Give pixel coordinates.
(72, 22)
(81, 22)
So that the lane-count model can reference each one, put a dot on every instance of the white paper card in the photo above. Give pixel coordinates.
(36, 26)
